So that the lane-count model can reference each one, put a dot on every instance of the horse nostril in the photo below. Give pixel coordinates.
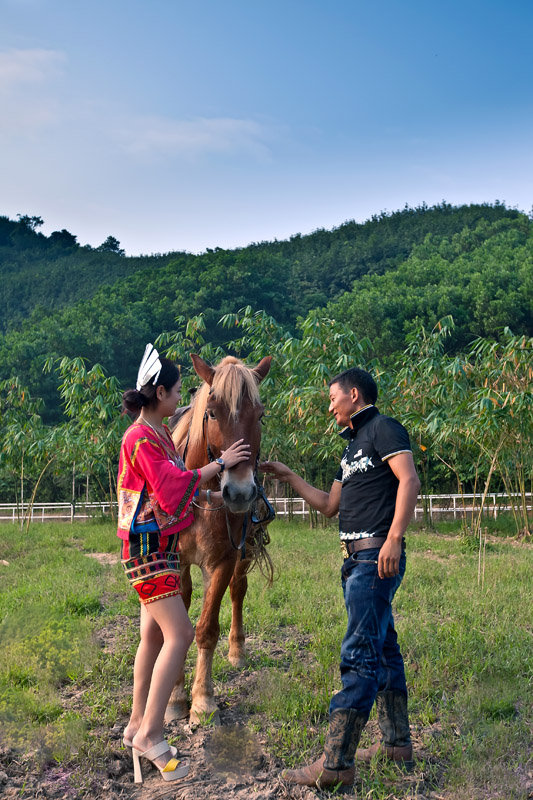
(239, 494)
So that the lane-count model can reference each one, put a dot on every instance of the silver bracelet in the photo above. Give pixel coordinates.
(208, 495)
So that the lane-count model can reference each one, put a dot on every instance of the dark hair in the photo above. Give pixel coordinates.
(134, 400)
(362, 380)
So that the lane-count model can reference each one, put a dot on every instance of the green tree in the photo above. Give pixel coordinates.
(503, 399)
(111, 245)
(27, 446)
(92, 404)
(30, 222)
(63, 238)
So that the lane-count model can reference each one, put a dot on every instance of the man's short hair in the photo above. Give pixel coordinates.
(361, 380)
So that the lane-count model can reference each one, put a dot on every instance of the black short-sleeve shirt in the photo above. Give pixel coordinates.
(369, 486)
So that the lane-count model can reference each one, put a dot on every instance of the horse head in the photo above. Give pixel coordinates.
(227, 407)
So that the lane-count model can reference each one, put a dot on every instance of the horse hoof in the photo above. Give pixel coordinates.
(176, 711)
(237, 660)
(204, 718)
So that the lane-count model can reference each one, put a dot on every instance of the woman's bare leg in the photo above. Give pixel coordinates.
(147, 652)
(170, 615)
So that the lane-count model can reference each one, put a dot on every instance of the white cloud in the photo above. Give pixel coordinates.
(160, 136)
(28, 67)
(27, 96)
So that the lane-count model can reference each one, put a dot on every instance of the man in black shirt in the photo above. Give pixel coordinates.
(375, 494)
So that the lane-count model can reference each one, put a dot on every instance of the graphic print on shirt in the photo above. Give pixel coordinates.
(360, 463)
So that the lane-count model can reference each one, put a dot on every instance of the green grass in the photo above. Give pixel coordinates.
(467, 651)
(51, 607)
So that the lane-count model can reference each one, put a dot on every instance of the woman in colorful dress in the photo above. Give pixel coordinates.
(155, 491)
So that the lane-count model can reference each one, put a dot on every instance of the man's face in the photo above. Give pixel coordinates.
(342, 404)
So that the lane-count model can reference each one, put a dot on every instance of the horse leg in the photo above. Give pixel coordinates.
(238, 586)
(204, 707)
(178, 704)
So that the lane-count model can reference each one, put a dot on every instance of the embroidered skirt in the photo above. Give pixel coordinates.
(152, 565)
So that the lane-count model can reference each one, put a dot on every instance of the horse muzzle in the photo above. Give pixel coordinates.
(238, 495)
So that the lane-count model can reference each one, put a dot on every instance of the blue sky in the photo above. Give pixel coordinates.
(184, 125)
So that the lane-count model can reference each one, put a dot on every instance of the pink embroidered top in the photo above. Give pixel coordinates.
(154, 489)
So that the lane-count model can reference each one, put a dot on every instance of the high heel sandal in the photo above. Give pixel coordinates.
(173, 769)
(129, 745)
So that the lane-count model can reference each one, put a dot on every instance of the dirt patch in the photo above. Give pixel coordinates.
(109, 559)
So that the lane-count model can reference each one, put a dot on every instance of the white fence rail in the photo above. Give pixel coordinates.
(450, 505)
(455, 505)
(46, 512)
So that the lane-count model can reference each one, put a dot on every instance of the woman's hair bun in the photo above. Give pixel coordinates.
(133, 401)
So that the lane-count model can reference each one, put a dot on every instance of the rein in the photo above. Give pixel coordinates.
(270, 514)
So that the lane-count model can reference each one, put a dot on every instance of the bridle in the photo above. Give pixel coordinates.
(252, 515)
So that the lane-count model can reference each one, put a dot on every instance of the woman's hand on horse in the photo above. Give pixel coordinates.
(277, 469)
(236, 453)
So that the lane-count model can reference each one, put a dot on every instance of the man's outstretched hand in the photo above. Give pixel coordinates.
(276, 468)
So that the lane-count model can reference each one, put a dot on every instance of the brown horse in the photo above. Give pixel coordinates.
(227, 407)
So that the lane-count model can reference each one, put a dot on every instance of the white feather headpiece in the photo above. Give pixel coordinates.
(150, 367)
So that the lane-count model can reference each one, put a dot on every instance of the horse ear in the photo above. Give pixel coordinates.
(203, 369)
(261, 371)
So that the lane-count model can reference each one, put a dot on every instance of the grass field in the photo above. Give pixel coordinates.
(68, 631)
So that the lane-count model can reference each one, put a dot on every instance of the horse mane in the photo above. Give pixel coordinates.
(232, 381)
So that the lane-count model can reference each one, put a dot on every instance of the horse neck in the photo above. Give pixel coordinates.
(196, 456)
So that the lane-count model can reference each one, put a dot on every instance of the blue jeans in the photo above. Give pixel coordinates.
(370, 656)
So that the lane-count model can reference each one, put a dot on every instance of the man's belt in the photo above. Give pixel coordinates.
(368, 543)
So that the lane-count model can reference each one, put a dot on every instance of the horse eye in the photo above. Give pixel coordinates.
(211, 414)
(262, 419)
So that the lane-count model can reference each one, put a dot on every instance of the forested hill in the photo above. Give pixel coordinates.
(50, 272)
(474, 262)
(483, 277)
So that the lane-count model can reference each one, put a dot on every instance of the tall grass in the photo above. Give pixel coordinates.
(467, 651)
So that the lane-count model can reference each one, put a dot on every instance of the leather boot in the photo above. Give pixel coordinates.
(336, 766)
(393, 721)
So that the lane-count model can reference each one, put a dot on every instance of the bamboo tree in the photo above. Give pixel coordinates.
(420, 397)
(43, 451)
(92, 404)
(21, 424)
(504, 397)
